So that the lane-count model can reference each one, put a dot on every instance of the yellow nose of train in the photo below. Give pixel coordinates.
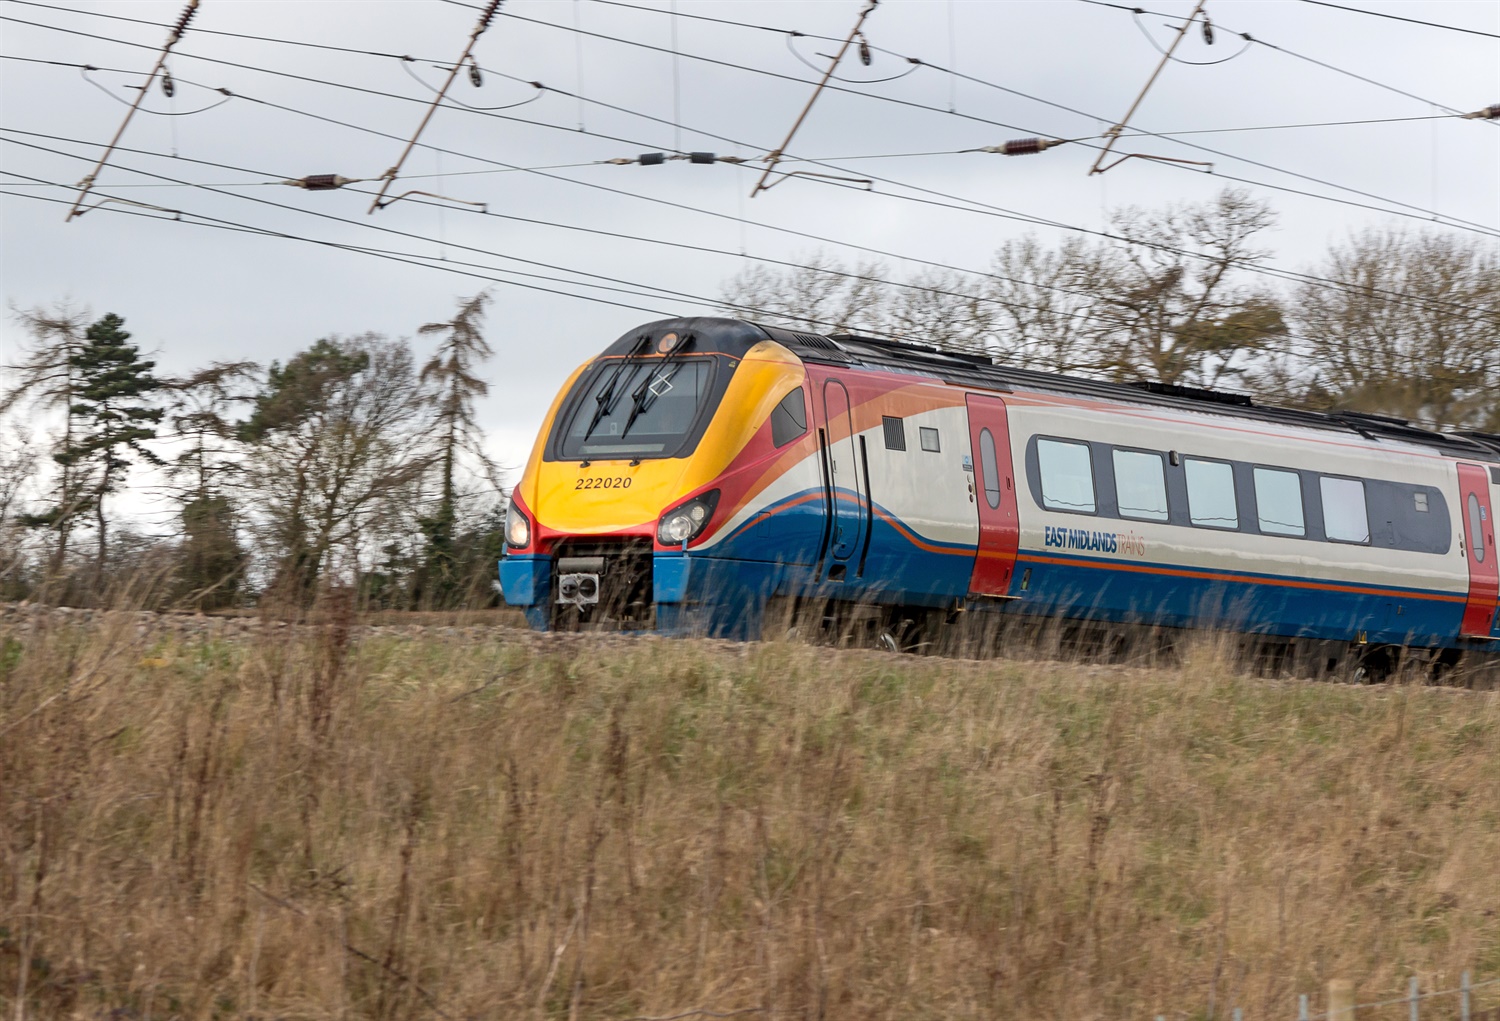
(628, 469)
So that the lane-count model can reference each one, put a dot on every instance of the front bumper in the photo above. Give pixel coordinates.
(526, 578)
(693, 595)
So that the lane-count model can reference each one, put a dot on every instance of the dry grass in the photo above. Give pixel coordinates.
(307, 827)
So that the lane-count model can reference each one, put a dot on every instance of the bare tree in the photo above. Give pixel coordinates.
(339, 443)
(823, 297)
(1171, 306)
(1412, 330)
(1046, 305)
(211, 560)
(45, 381)
(18, 466)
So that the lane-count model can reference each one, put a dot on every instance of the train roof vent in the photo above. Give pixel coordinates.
(1192, 393)
(816, 340)
(907, 348)
(812, 346)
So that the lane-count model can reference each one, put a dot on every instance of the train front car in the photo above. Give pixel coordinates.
(646, 454)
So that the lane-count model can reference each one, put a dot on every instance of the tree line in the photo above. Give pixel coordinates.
(351, 465)
(1391, 322)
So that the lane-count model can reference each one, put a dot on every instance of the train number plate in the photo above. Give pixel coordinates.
(604, 482)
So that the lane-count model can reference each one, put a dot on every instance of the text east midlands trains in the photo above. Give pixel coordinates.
(1083, 539)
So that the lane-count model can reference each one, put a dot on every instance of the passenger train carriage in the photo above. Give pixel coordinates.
(702, 470)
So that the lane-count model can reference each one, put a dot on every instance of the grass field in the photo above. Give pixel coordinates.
(322, 823)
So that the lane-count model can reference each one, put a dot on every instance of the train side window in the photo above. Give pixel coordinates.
(1476, 528)
(1278, 498)
(1211, 500)
(1140, 485)
(789, 419)
(929, 437)
(895, 432)
(991, 467)
(1345, 518)
(1067, 471)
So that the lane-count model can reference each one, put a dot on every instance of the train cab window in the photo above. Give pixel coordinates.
(1278, 500)
(1211, 500)
(895, 432)
(1476, 528)
(789, 419)
(1067, 471)
(1345, 518)
(1140, 485)
(929, 437)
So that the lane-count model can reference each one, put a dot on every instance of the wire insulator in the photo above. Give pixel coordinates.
(489, 14)
(702, 157)
(651, 159)
(1024, 146)
(320, 182)
(1489, 113)
(1208, 31)
(182, 22)
(864, 51)
(475, 78)
(168, 87)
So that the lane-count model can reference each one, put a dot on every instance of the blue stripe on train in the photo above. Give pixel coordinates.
(1098, 588)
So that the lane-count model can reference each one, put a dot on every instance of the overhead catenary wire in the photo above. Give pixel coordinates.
(1427, 215)
(712, 302)
(1023, 217)
(1289, 52)
(1410, 210)
(84, 72)
(1409, 21)
(458, 267)
(1275, 272)
(1195, 63)
(450, 266)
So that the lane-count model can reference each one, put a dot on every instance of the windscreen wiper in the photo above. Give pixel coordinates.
(646, 394)
(607, 399)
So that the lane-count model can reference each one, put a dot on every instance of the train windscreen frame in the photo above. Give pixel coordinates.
(638, 409)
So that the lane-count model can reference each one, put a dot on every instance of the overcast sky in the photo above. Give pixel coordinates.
(193, 294)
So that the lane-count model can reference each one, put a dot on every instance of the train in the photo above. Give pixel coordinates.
(723, 478)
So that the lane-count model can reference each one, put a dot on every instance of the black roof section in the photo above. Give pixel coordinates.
(734, 337)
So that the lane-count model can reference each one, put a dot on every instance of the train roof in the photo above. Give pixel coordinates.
(735, 337)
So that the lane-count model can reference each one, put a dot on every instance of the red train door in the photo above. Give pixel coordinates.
(1478, 515)
(995, 495)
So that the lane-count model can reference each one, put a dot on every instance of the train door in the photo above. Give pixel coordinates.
(1478, 514)
(845, 482)
(999, 526)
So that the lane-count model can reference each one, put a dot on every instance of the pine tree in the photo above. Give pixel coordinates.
(109, 414)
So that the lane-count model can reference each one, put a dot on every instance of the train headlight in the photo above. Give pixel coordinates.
(686, 522)
(517, 527)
